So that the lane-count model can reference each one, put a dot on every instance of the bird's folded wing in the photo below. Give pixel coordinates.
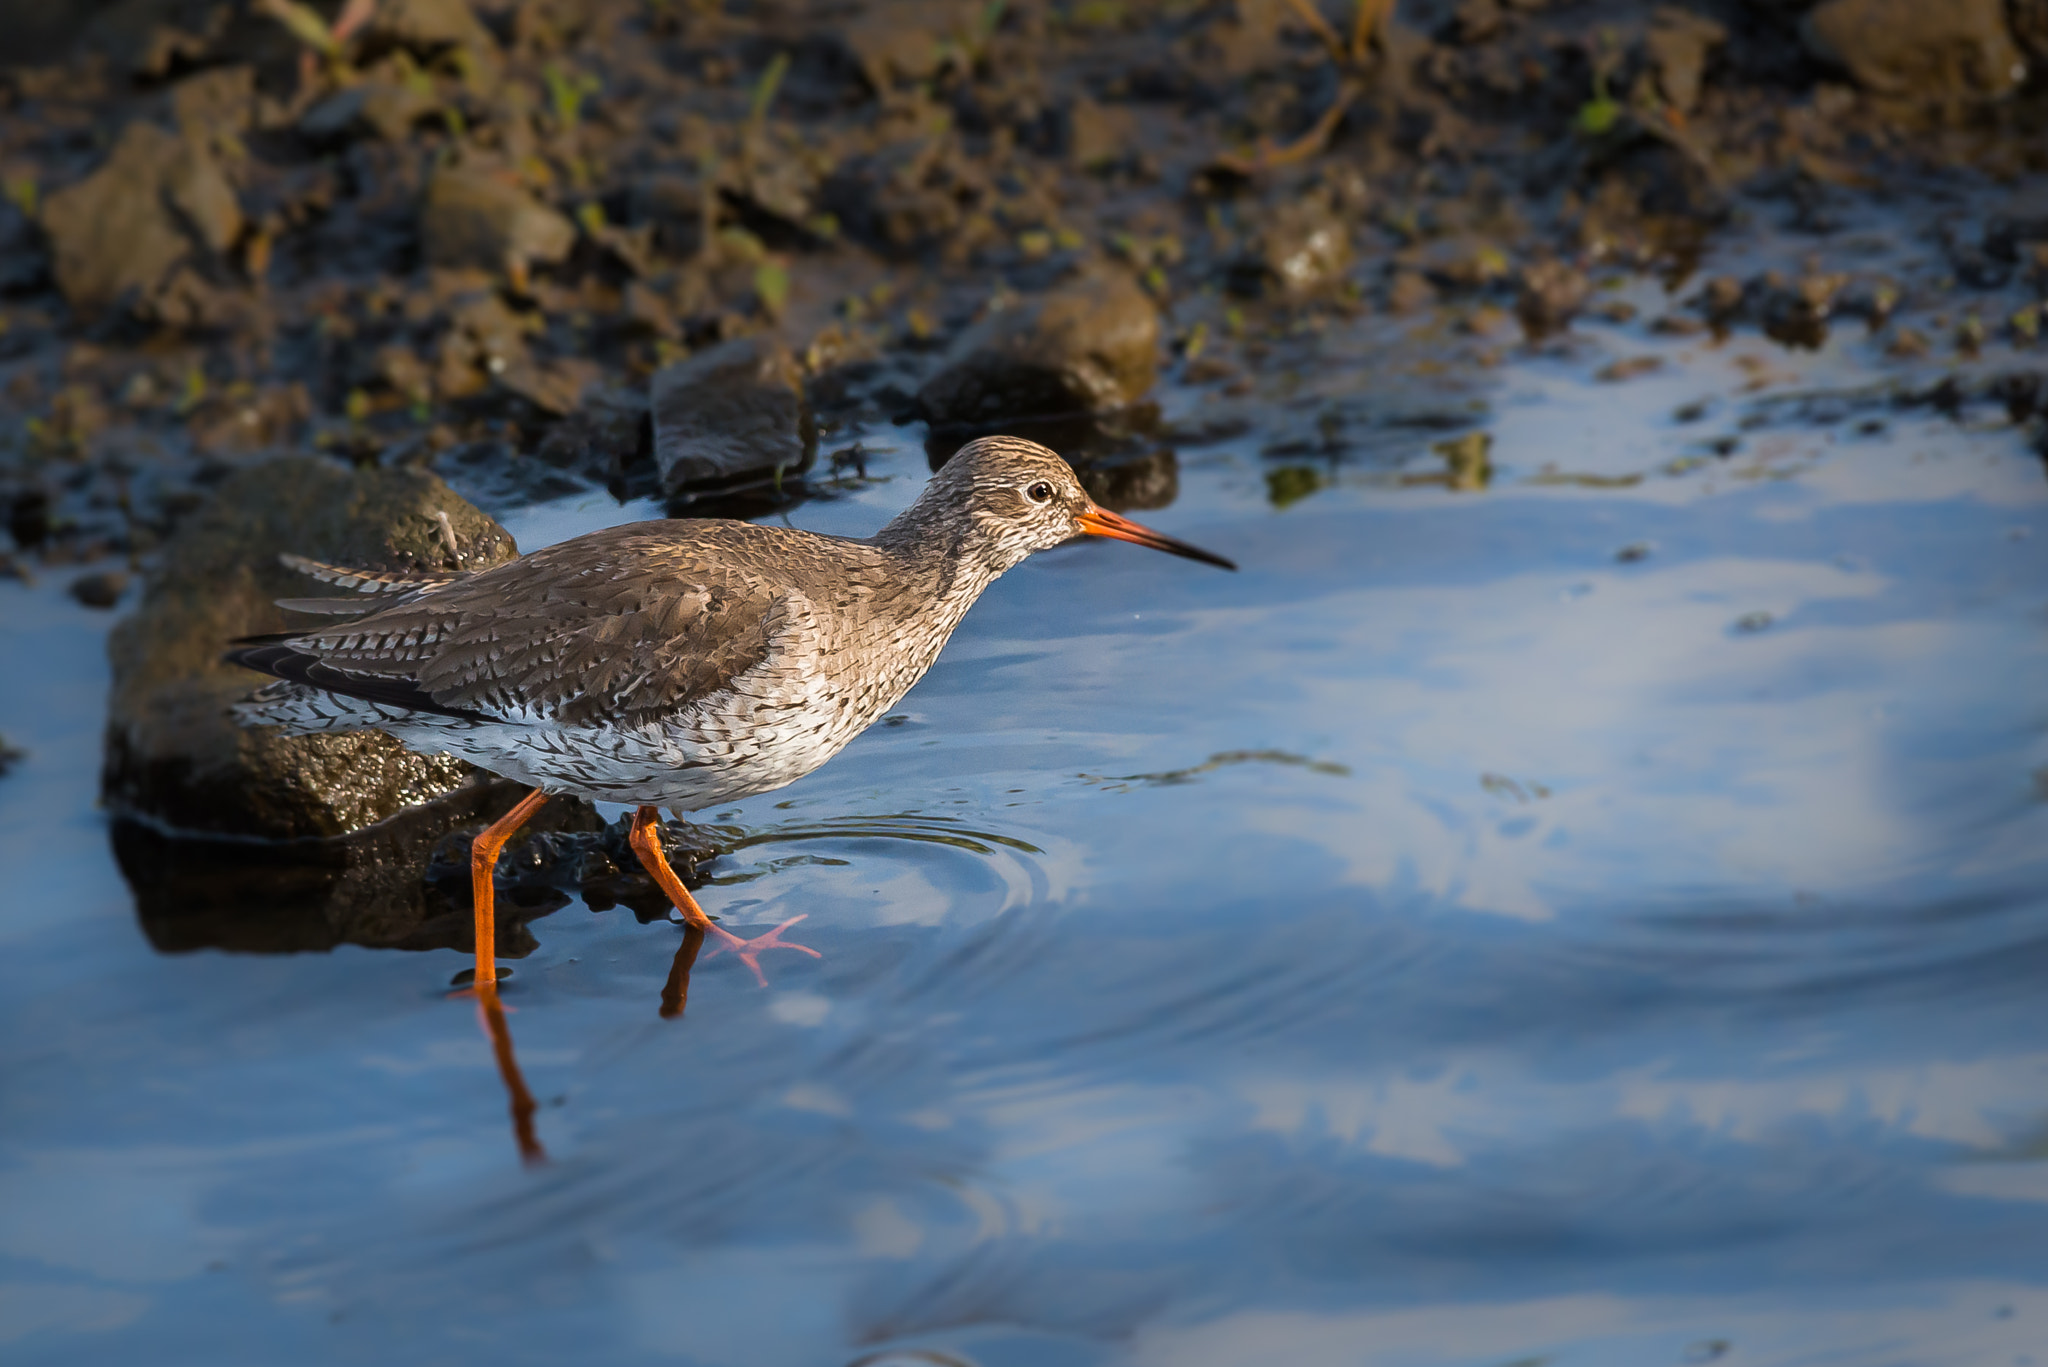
(616, 638)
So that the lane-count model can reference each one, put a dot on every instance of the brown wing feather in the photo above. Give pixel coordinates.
(624, 626)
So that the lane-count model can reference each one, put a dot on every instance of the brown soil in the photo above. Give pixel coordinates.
(467, 236)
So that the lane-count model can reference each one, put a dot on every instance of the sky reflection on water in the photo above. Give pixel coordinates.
(1567, 963)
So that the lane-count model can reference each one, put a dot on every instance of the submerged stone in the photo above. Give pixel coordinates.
(1551, 293)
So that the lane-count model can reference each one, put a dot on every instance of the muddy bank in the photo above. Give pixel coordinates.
(474, 237)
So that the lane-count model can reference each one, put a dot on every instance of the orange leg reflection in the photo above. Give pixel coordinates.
(491, 1013)
(646, 842)
(483, 859)
(675, 993)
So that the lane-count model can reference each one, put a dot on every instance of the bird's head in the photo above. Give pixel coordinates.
(1018, 497)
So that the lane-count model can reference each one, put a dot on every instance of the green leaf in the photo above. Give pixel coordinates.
(1598, 115)
(771, 283)
(305, 25)
(765, 88)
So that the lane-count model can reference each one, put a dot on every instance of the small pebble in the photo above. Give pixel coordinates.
(101, 589)
(1633, 552)
(1628, 368)
(1907, 344)
(1749, 623)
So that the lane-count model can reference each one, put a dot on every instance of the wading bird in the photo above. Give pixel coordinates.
(673, 664)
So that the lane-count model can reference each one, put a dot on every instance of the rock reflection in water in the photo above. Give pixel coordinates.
(402, 884)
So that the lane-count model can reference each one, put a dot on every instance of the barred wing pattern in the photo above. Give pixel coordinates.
(621, 630)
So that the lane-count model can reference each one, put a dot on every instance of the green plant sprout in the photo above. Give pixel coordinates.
(764, 91)
(567, 91)
(1599, 114)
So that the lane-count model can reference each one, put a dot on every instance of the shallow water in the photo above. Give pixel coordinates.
(1443, 941)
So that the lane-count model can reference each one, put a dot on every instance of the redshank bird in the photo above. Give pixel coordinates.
(672, 664)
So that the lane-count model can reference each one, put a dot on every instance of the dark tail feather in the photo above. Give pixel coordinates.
(278, 656)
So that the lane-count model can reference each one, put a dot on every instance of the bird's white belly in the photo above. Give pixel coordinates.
(693, 759)
(772, 725)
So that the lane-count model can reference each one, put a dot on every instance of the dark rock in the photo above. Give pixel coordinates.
(427, 28)
(1409, 292)
(486, 339)
(383, 109)
(777, 179)
(1650, 171)
(24, 267)
(1679, 43)
(1150, 481)
(479, 217)
(677, 207)
(496, 475)
(1722, 300)
(907, 41)
(28, 518)
(731, 418)
(2021, 221)
(147, 37)
(1795, 312)
(603, 439)
(216, 106)
(100, 589)
(1465, 261)
(1551, 292)
(1098, 136)
(175, 757)
(1301, 246)
(1476, 21)
(577, 853)
(1098, 442)
(1247, 36)
(1976, 267)
(1087, 346)
(553, 386)
(486, 344)
(2021, 393)
(120, 231)
(903, 199)
(1955, 49)
(202, 197)
(2029, 20)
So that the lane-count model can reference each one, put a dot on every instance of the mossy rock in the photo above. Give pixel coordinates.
(175, 756)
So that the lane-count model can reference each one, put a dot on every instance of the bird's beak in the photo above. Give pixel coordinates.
(1101, 522)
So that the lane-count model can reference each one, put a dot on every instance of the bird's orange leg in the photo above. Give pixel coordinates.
(483, 858)
(646, 842)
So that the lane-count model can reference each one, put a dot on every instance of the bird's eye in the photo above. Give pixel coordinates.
(1039, 492)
